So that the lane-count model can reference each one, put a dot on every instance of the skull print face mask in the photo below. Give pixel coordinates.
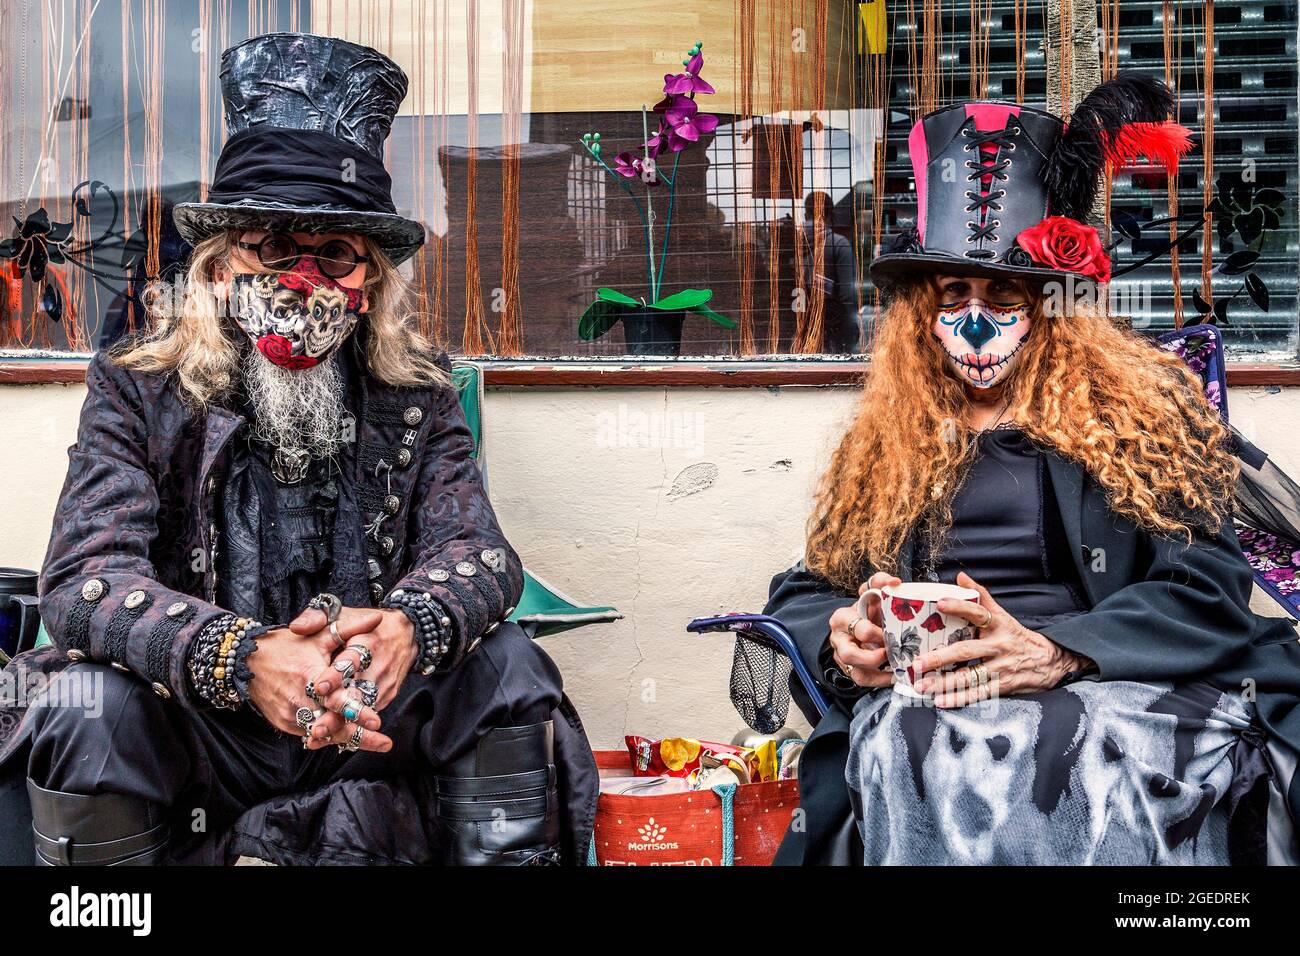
(981, 339)
(297, 319)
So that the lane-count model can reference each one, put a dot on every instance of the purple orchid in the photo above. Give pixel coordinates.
(688, 82)
(682, 121)
(631, 166)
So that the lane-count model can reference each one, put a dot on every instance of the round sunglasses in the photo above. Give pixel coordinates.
(280, 251)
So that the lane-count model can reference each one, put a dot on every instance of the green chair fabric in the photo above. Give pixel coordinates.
(542, 610)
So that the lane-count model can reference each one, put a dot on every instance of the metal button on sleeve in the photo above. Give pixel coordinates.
(439, 575)
(177, 609)
(403, 457)
(413, 416)
(134, 600)
(386, 544)
(93, 590)
(161, 690)
(392, 503)
(75, 655)
(465, 569)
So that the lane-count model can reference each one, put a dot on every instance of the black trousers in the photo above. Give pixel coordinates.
(213, 766)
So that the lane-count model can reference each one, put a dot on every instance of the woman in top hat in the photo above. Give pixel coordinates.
(1014, 440)
(274, 570)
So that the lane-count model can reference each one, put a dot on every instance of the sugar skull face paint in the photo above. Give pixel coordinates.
(981, 325)
(297, 319)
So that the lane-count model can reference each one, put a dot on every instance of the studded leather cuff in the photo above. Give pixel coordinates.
(76, 633)
(470, 623)
(120, 624)
(159, 647)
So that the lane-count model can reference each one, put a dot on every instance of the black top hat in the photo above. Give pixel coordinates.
(307, 117)
(1004, 190)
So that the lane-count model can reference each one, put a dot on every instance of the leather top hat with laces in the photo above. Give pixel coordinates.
(1005, 190)
(307, 118)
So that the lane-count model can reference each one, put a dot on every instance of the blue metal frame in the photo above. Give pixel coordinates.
(769, 632)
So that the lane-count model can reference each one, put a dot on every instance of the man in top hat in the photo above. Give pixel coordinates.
(274, 569)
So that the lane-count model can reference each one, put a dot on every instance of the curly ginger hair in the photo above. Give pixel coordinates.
(1132, 415)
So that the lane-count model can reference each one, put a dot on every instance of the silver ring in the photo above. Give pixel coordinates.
(354, 742)
(310, 691)
(345, 667)
(305, 717)
(338, 638)
(364, 657)
(351, 710)
(368, 690)
(330, 604)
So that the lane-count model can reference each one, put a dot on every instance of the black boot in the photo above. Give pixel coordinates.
(107, 829)
(498, 805)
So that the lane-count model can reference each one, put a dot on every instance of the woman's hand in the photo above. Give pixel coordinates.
(285, 661)
(391, 642)
(1017, 660)
(858, 643)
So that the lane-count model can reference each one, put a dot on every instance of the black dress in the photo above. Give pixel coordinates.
(1116, 772)
(1007, 533)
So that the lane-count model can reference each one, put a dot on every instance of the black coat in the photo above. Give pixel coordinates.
(1159, 611)
(137, 515)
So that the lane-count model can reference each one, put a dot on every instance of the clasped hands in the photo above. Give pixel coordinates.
(307, 652)
(1018, 660)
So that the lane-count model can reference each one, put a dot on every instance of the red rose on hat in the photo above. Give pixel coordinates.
(279, 351)
(1060, 242)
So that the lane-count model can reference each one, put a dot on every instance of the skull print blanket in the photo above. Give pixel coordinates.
(1095, 772)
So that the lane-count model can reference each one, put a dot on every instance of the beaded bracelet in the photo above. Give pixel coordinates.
(218, 661)
(433, 627)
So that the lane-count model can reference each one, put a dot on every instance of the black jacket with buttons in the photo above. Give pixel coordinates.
(129, 577)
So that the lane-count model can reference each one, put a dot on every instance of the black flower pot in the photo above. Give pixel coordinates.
(653, 332)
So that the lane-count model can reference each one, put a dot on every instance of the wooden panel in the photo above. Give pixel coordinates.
(593, 55)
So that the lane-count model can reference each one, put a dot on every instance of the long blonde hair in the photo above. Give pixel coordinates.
(1134, 416)
(190, 336)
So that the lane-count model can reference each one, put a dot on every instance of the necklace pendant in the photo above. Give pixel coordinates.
(289, 465)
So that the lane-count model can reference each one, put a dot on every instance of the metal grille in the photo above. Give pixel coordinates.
(1255, 129)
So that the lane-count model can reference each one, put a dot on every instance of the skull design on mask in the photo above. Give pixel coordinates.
(297, 319)
(981, 338)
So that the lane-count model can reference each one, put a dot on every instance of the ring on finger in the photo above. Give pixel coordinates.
(988, 619)
(351, 710)
(310, 691)
(368, 690)
(353, 742)
(981, 675)
(345, 667)
(853, 627)
(305, 717)
(364, 657)
(329, 604)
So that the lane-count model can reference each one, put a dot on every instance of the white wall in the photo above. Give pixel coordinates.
(668, 503)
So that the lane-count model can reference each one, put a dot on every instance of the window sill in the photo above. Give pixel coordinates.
(503, 373)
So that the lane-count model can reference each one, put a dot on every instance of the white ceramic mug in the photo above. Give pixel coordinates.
(914, 625)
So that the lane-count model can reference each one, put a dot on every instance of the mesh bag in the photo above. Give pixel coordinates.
(760, 685)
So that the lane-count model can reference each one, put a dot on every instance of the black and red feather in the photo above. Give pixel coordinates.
(1121, 119)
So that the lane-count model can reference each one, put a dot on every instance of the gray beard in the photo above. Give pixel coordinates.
(295, 409)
